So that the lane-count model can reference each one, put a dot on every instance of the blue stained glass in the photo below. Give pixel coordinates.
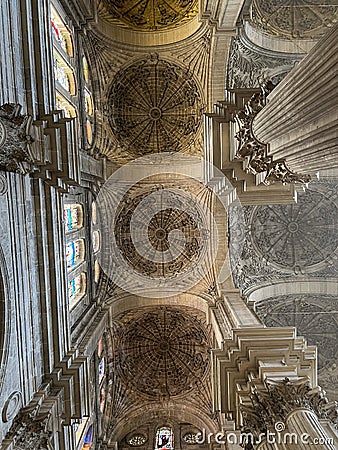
(89, 436)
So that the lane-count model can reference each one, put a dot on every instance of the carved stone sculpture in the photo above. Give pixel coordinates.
(15, 139)
(254, 152)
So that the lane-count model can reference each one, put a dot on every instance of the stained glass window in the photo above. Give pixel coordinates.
(85, 69)
(73, 217)
(89, 132)
(88, 440)
(65, 105)
(100, 347)
(76, 289)
(63, 73)
(164, 438)
(137, 440)
(60, 33)
(74, 253)
(102, 398)
(191, 437)
(79, 429)
(88, 102)
(101, 370)
(96, 241)
(94, 213)
(96, 271)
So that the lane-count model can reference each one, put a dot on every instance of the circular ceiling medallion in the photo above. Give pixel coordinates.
(151, 15)
(164, 353)
(296, 19)
(160, 232)
(298, 236)
(154, 106)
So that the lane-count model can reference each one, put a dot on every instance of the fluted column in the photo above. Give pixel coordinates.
(306, 426)
(300, 120)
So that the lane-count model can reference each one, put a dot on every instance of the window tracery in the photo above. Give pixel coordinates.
(137, 440)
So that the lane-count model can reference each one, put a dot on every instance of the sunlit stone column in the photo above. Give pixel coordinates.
(300, 120)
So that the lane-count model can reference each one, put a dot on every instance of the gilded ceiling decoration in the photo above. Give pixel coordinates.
(154, 106)
(298, 236)
(164, 353)
(296, 18)
(150, 15)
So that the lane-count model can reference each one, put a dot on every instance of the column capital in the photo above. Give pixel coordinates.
(268, 406)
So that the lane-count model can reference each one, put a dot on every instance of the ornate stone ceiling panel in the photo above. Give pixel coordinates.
(150, 15)
(316, 318)
(296, 237)
(286, 242)
(172, 236)
(295, 18)
(163, 353)
(155, 106)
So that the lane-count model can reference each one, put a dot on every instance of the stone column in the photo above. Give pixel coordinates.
(305, 424)
(300, 120)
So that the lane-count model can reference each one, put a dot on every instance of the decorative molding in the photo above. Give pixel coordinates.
(254, 152)
(15, 139)
(12, 406)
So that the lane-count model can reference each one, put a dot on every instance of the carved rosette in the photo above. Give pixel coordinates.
(15, 140)
(268, 407)
(254, 152)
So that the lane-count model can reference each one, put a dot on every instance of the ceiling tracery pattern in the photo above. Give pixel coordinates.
(154, 106)
(170, 231)
(295, 18)
(151, 15)
(315, 317)
(299, 236)
(164, 353)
